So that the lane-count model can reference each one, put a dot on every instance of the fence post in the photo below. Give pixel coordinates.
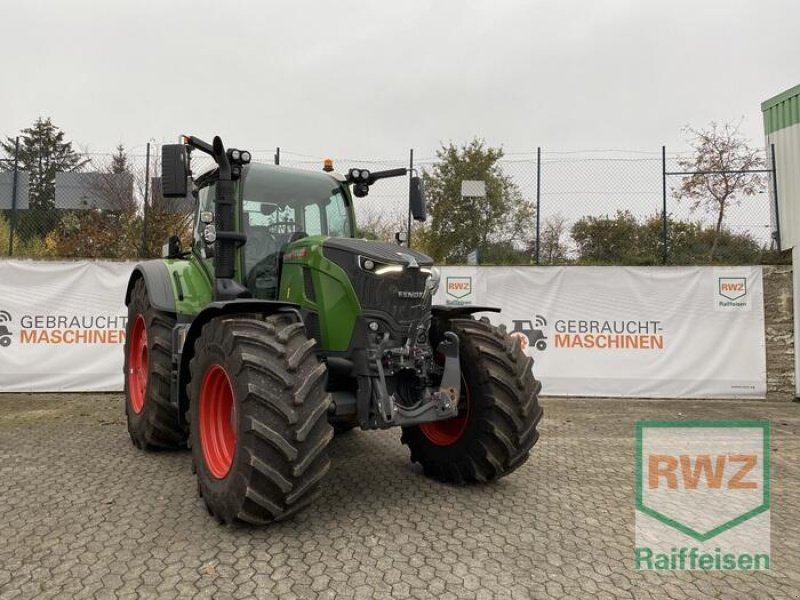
(146, 199)
(277, 155)
(664, 237)
(13, 225)
(775, 199)
(410, 175)
(538, 200)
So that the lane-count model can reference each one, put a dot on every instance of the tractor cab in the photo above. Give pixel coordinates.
(280, 206)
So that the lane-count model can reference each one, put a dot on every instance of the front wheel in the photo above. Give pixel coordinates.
(258, 418)
(498, 411)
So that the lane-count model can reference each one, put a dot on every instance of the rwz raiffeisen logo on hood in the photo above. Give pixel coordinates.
(5, 334)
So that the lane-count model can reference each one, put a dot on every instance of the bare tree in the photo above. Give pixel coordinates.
(380, 225)
(721, 161)
(552, 247)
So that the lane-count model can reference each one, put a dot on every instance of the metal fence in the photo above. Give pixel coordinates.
(108, 210)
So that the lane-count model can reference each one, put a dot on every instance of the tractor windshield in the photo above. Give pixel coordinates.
(278, 206)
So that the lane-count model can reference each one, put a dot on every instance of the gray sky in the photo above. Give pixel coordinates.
(373, 79)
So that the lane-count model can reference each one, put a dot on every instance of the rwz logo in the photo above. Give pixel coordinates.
(459, 287)
(732, 288)
(702, 478)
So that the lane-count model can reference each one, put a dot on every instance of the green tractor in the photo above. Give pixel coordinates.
(278, 328)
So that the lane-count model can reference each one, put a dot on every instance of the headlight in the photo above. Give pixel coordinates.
(388, 269)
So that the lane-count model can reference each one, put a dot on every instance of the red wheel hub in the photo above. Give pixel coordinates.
(448, 432)
(138, 365)
(217, 421)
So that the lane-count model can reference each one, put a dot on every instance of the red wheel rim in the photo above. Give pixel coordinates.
(138, 365)
(217, 421)
(448, 432)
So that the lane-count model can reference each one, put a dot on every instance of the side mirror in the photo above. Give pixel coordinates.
(416, 199)
(172, 249)
(174, 171)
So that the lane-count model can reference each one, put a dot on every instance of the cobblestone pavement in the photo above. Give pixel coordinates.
(84, 514)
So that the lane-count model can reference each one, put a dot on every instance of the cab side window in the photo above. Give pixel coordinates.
(313, 225)
(336, 213)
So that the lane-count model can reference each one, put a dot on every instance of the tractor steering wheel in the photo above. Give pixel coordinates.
(288, 227)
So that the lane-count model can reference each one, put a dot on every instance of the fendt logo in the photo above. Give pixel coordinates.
(5, 334)
(732, 288)
(702, 495)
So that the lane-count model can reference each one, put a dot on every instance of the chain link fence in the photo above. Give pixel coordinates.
(591, 208)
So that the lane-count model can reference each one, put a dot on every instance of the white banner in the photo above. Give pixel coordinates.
(665, 332)
(62, 325)
(593, 331)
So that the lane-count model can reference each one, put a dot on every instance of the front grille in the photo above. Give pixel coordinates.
(391, 294)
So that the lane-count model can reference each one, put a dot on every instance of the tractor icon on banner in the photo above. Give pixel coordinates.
(5, 334)
(530, 335)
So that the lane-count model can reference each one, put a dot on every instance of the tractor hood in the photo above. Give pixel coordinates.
(378, 252)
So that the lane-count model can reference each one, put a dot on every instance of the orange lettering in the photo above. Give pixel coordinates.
(736, 482)
(691, 476)
(667, 471)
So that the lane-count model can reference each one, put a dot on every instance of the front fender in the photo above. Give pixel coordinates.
(456, 311)
(156, 279)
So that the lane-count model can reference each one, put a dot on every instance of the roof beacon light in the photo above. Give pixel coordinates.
(327, 165)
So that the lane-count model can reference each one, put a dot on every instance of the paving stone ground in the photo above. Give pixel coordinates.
(83, 514)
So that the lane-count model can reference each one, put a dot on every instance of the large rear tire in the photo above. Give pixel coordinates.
(258, 418)
(498, 411)
(152, 418)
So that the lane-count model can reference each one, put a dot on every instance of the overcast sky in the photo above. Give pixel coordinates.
(373, 79)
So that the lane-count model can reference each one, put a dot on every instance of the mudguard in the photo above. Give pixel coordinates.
(456, 311)
(156, 279)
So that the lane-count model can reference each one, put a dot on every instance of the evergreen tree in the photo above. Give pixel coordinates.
(119, 160)
(43, 153)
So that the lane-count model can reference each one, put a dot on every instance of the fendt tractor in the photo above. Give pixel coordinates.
(278, 328)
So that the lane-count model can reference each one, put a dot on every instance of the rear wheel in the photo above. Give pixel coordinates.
(152, 418)
(498, 411)
(258, 418)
